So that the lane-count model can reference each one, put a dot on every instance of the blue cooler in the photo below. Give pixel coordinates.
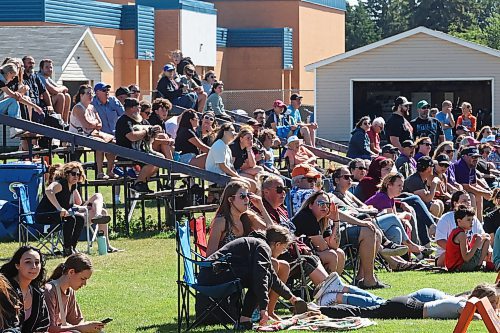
(28, 173)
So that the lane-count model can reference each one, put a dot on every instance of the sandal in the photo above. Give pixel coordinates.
(378, 285)
(102, 176)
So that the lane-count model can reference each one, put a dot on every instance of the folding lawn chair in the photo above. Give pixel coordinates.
(188, 287)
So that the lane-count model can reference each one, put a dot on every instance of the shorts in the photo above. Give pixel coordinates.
(309, 264)
(349, 234)
(473, 264)
(186, 158)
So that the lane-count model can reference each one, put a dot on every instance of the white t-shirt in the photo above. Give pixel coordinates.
(218, 153)
(171, 126)
(447, 223)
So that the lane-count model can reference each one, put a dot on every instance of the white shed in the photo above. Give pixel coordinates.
(419, 64)
(78, 58)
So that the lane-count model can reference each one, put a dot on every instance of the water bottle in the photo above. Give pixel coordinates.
(102, 244)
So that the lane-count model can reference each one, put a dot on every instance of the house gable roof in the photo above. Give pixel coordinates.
(395, 38)
(58, 43)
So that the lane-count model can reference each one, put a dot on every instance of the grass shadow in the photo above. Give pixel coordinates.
(172, 327)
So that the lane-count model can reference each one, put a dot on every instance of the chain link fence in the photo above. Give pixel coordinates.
(249, 100)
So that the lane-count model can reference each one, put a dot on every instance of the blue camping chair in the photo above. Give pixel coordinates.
(52, 240)
(187, 286)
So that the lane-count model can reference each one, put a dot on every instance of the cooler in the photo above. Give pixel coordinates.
(28, 173)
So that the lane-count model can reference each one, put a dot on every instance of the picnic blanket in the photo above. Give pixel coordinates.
(306, 322)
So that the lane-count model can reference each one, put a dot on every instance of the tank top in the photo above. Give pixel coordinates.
(75, 125)
(65, 198)
(453, 256)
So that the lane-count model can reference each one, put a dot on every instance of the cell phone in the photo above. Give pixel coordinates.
(106, 320)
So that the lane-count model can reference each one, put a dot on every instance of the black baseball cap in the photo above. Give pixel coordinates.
(295, 96)
(463, 128)
(401, 100)
(443, 159)
(408, 144)
(471, 151)
(425, 162)
(130, 102)
(388, 148)
(122, 91)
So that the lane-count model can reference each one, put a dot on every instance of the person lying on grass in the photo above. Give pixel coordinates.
(64, 312)
(340, 301)
(463, 254)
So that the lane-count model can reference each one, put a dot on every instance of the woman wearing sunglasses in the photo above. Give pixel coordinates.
(447, 149)
(359, 144)
(424, 147)
(57, 202)
(313, 221)
(208, 129)
(227, 224)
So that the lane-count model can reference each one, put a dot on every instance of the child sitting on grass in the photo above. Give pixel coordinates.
(463, 254)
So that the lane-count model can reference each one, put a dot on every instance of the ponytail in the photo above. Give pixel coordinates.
(79, 262)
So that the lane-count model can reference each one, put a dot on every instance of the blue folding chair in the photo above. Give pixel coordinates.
(187, 286)
(52, 240)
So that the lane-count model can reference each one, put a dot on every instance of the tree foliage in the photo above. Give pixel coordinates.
(473, 20)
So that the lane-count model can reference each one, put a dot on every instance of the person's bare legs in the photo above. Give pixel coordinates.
(318, 275)
(329, 259)
(366, 250)
(340, 261)
(202, 101)
(312, 133)
(164, 148)
(67, 107)
(282, 269)
(479, 207)
(147, 171)
(58, 103)
(99, 160)
(199, 161)
(110, 164)
(305, 135)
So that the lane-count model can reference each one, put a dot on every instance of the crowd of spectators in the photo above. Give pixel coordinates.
(428, 183)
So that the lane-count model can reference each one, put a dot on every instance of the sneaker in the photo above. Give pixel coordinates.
(131, 173)
(392, 249)
(141, 187)
(15, 132)
(101, 219)
(118, 171)
(327, 299)
(332, 283)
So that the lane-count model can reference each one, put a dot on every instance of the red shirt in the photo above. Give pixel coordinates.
(374, 138)
(453, 256)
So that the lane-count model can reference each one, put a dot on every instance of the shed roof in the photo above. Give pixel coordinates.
(58, 43)
(392, 39)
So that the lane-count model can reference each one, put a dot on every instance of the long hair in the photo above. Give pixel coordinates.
(390, 179)
(244, 130)
(224, 209)
(8, 301)
(361, 120)
(440, 149)
(78, 261)
(484, 290)
(66, 168)
(186, 117)
(80, 92)
(224, 127)
(419, 141)
(480, 134)
(10, 271)
(323, 223)
(161, 102)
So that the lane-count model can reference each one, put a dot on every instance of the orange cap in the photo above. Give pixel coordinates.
(305, 170)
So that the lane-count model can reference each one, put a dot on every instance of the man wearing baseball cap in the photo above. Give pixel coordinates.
(122, 93)
(398, 128)
(306, 131)
(304, 179)
(277, 121)
(466, 175)
(406, 163)
(427, 126)
(389, 151)
(424, 184)
(108, 107)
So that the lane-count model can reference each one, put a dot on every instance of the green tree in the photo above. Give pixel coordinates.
(492, 31)
(440, 14)
(488, 36)
(390, 16)
(360, 29)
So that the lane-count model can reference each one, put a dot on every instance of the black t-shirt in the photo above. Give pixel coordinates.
(155, 120)
(124, 126)
(65, 198)
(306, 224)
(182, 143)
(482, 166)
(427, 127)
(399, 127)
(37, 88)
(239, 155)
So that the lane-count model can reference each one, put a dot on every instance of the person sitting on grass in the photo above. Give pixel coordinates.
(462, 254)
(26, 272)
(251, 262)
(298, 154)
(60, 289)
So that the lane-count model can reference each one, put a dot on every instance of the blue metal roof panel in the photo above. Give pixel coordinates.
(335, 4)
(221, 37)
(25, 11)
(191, 5)
(90, 13)
(145, 33)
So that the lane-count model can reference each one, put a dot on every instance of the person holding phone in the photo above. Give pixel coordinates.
(60, 295)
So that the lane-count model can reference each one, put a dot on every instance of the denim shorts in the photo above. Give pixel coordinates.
(186, 158)
(349, 234)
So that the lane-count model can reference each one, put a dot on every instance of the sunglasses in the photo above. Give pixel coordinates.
(208, 118)
(74, 174)
(280, 189)
(347, 177)
(89, 93)
(367, 124)
(444, 165)
(310, 180)
(135, 91)
(449, 151)
(322, 203)
(361, 168)
(426, 144)
(147, 113)
(426, 107)
(245, 195)
(213, 77)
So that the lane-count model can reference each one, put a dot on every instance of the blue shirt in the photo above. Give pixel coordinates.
(293, 117)
(109, 113)
(445, 120)
(463, 174)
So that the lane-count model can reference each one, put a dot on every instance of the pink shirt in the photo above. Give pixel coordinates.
(374, 138)
(301, 156)
(73, 314)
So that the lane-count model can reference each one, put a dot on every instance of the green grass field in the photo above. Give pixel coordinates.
(138, 289)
